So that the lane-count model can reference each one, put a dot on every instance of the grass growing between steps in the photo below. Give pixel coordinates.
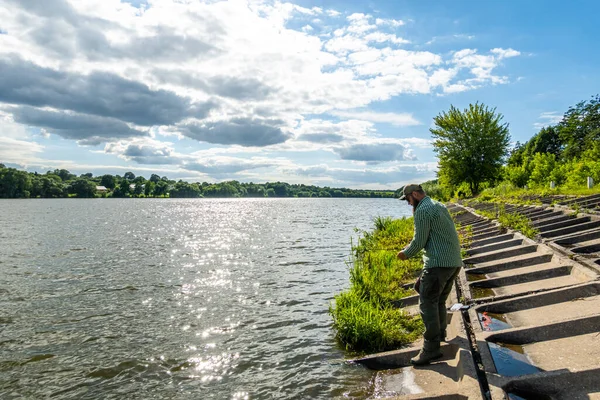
(508, 220)
(364, 319)
(506, 193)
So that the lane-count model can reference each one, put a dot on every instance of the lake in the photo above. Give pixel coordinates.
(177, 298)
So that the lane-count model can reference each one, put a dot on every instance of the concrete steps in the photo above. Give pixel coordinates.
(561, 224)
(562, 231)
(495, 246)
(523, 270)
(501, 254)
(491, 240)
(539, 334)
(544, 306)
(580, 199)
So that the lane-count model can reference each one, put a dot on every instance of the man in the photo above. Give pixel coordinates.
(436, 234)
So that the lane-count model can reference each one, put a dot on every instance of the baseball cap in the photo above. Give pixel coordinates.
(408, 189)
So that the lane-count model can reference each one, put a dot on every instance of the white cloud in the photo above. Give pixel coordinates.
(360, 23)
(397, 119)
(442, 77)
(19, 151)
(15, 144)
(395, 176)
(505, 53)
(230, 73)
(226, 166)
(381, 37)
(323, 131)
(145, 151)
(457, 88)
(481, 66)
(450, 38)
(392, 22)
(548, 118)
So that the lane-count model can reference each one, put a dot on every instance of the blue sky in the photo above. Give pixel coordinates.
(319, 92)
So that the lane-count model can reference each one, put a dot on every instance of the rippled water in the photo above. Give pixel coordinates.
(169, 299)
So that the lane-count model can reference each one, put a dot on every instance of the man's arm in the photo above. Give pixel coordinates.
(422, 228)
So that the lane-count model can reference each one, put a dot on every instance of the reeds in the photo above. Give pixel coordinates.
(364, 319)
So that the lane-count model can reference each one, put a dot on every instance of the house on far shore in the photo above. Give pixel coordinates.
(101, 189)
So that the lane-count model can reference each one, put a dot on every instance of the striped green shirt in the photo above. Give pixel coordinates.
(435, 232)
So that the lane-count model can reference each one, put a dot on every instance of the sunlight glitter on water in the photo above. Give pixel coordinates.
(234, 293)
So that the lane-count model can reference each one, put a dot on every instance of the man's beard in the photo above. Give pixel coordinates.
(415, 204)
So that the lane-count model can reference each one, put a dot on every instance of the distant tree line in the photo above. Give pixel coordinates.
(60, 183)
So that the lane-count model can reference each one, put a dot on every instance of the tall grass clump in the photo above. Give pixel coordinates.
(519, 223)
(465, 238)
(363, 316)
(513, 221)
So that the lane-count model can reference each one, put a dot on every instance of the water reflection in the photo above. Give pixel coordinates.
(213, 298)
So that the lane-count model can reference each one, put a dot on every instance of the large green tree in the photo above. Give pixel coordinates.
(471, 145)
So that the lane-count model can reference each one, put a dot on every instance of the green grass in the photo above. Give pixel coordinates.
(507, 193)
(519, 223)
(363, 317)
(513, 221)
(367, 326)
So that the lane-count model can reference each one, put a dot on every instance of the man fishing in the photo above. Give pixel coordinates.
(436, 234)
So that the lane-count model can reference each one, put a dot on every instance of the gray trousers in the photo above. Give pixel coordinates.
(436, 285)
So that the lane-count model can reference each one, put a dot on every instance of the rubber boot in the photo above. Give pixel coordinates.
(430, 351)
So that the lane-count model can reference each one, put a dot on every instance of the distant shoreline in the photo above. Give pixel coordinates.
(61, 183)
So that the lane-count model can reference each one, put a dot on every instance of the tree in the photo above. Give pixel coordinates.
(149, 188)
(580, 127)
(547, 140)
(542, 166)
(515, 157)
(471, 145)
(83, 188)
(161, 189)
(122, 190)
(64, 174)
(154, 178)
(280, 188)
(139, 189)
(47, 186)
(108, 181)
(129, 176)
(184, 189)
(14, 183)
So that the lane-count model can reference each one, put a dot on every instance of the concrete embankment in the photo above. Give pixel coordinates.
(532, 327)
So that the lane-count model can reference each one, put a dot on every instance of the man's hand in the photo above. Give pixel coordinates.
(402, 256)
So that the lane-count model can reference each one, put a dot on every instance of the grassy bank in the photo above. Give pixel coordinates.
(506, 193)
(364, 318)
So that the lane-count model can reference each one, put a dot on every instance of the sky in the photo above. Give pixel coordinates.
(327, 93)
